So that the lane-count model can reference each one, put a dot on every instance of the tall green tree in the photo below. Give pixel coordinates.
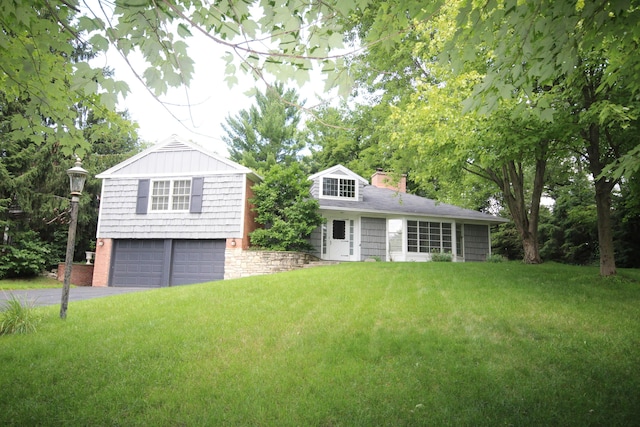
(347, 136)
(267, 133)
(571, 233)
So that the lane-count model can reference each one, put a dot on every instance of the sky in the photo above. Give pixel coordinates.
(197, 112)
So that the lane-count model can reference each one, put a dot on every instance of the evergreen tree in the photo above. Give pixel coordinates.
(267, 133)
(34, 186)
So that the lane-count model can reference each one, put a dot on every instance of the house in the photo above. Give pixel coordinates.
(168, 215)
(177, 214)
(380, 221)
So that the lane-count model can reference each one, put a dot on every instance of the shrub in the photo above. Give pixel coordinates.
(496, 258)
(441, 257)
(18, 318)
(284, 206)
(28, 257)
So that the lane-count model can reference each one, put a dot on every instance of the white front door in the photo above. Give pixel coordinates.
(340, 233)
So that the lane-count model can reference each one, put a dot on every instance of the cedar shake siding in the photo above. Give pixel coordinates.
(220, 216)
(476, 242)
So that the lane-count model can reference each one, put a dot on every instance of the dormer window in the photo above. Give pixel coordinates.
(339, 187)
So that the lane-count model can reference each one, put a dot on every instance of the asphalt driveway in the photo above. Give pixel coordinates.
(40, 297)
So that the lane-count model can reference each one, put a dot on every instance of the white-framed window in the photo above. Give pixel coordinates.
(170, 195)
(429, 237)
(339, 187)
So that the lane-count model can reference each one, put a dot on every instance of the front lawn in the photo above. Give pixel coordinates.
(39, 282)
(360, 344)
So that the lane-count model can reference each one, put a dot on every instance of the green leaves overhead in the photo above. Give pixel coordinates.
(278, 40)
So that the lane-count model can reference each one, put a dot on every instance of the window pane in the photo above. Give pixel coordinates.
(412, 236)
(324, 238)
(395, 235)
(161, 188)
(434, 237)
(160, 195)
(347, 188)
(447, 245)
(330, 187)
(351, 237)
(339, 229)
(181, 192)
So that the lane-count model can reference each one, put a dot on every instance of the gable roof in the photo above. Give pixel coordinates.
(173, 157)
(339, 170)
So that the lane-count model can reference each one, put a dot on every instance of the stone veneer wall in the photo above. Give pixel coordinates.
(244, 263)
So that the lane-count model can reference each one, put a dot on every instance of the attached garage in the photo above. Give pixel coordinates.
(166, 262)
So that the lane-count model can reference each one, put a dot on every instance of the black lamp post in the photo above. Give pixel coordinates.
(77, 177)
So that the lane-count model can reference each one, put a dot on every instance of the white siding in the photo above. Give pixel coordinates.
(221, 216)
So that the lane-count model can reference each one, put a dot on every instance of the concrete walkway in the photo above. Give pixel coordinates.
(40, 297)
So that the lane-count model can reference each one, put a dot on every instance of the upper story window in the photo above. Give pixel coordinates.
(171, 195)
(339, 187)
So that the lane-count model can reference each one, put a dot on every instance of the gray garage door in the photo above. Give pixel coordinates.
(137, 263)
(155, 263)
(196, 261)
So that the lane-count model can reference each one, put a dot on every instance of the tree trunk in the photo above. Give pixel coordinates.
(526, 220)
(605, 234)
(603, 188)
(531, 252)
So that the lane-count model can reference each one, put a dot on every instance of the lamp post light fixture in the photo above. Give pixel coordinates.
(77, 177)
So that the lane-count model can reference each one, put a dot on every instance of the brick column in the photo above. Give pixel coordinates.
(102, 262)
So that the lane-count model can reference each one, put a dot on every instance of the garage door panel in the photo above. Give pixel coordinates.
(197, 261)
(138, 263)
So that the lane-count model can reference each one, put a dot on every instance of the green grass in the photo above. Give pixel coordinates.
(362, 344)
(18, 317)
(38, 282)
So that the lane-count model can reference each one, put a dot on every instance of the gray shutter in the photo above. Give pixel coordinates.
(143, 196)
(196, 195)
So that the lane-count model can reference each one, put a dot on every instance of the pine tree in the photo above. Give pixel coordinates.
(267, 133)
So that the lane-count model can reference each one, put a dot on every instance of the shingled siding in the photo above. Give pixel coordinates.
(373, 238)
(221, 216)
(476, 242)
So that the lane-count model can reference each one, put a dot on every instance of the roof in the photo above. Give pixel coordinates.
(381, 200)
(172, 157)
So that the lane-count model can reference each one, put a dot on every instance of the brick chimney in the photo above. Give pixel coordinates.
(380, 179)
